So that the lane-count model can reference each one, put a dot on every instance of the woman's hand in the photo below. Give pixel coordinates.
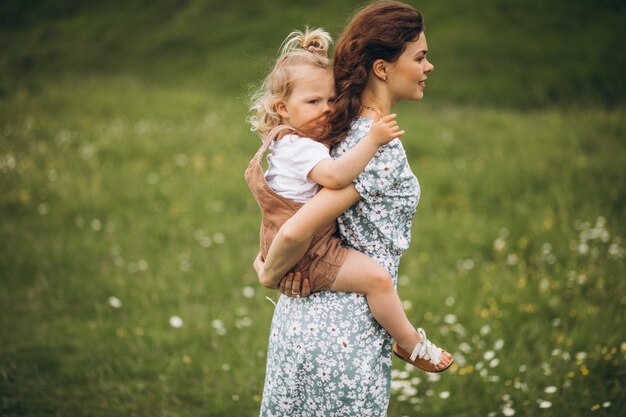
(293, 285)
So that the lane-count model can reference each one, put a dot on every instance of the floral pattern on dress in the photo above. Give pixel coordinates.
(327, 355)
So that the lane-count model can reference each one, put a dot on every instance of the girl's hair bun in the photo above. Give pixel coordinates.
(317, 41)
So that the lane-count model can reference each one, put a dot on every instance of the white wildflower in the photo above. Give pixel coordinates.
(433, 377)
(115, 302)
(248, 292)
(242, 311)
(544, 404)
(511, 259)
(176, 322)
(219, 238)
(508, 411)
(449, 318)
(499, 244)
(243, 322)
(96, 225)
(142, 265)
(465, 348)
(218, 326)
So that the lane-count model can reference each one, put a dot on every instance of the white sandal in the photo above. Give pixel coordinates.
(425, 355)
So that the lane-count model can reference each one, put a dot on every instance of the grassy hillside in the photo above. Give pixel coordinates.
(516, 53)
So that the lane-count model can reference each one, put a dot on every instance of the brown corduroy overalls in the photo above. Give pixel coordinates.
(325, 255)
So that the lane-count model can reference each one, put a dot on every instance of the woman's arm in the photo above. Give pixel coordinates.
(293, 238)
(339, 173)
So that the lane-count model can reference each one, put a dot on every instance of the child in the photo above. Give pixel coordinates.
(290, 109)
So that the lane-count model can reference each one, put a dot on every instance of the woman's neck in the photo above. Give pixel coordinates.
(374, 101)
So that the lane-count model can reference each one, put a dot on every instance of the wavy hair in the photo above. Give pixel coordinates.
(377, 31)
(299, 48)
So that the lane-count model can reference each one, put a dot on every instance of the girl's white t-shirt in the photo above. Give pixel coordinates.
(290, 161)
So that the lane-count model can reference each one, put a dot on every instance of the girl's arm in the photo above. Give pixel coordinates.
(340, 172)
(293, 238)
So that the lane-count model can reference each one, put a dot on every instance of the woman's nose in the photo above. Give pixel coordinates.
(429, 67)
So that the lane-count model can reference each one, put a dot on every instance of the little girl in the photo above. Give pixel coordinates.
(290, 109)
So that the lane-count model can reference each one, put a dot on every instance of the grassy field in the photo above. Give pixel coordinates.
(128, 231)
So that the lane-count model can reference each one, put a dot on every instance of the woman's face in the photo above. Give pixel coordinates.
(406, 77)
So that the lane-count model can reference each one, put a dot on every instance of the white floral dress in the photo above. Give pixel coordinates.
(327, 355)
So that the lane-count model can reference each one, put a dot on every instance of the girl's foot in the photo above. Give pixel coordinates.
(425, 355)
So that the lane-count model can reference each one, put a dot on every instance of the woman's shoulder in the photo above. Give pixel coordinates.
(359, 128)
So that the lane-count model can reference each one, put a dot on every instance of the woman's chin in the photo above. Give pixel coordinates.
(416, 95)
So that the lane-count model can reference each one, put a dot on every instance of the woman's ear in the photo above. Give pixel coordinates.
(379, 67)
(281, 109)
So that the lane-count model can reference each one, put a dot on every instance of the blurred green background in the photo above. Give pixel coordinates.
(126, 286)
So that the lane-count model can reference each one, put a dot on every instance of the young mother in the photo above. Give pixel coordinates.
(327, 355)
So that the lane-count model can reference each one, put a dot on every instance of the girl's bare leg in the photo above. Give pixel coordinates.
(361, 274)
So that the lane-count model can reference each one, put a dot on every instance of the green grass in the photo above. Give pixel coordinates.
(510, 53)
(122, 176)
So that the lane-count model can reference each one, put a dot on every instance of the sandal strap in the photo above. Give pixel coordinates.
(425, 349)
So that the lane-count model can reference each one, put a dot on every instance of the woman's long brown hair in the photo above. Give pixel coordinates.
(377, 31)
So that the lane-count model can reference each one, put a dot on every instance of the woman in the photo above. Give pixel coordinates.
(327, 355)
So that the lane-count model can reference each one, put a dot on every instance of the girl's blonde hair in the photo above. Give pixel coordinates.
(299, 48)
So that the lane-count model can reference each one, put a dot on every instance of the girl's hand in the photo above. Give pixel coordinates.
(259, 267)
(294, 286)
(385, 130)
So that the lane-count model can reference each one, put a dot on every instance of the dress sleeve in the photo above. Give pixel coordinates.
(382, 172)
(308, 153)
